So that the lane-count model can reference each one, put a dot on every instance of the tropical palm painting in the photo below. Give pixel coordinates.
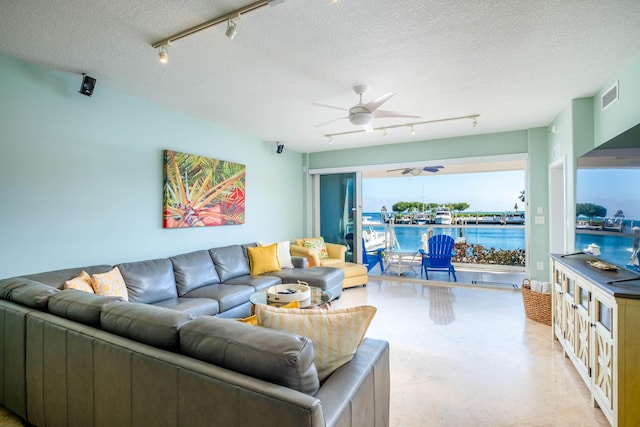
(201, 191)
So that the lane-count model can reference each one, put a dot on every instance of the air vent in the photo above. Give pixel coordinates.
(610, 96)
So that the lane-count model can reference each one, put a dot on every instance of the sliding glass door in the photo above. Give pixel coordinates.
(337, 210)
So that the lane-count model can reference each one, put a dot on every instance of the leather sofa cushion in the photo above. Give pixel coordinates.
(8, 285)
(149, 281)
(228, 296)
(156, 326)
(275, 356)
(230, 262)
(32, 294)
(194, 270)
(79, 306)
(195, 306)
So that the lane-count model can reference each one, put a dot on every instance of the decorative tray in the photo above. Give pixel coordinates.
(601, 265)
(289, 292)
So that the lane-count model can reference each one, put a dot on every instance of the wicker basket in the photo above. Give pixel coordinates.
(537, 306)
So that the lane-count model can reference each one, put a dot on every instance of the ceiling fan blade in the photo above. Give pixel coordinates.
(376, 103)
(395, 170)
(406, 171)
(381, 114)
(329, 106)
(432, 169)
(330, 121)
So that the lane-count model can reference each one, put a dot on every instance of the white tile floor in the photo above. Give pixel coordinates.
(465, 356)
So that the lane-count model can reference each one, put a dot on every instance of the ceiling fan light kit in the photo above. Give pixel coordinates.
(363, 114)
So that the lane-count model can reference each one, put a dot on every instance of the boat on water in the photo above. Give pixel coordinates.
(614, 224)
(403, 218)
(585, 223)
(443, 216)
(373, 239)
(420, 218)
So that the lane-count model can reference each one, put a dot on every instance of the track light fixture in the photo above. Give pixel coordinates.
(228, 18)
(231, 29)
(411, 126)
(163, 53)
(279, 148)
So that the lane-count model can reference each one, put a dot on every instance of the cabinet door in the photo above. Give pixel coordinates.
(603, 380)
(582, 323)
(558, 304)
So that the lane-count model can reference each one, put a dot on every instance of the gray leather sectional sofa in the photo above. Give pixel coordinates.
(170, 357)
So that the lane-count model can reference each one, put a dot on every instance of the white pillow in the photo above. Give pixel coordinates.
(284, 256)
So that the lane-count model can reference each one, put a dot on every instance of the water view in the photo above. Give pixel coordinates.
(499, 237)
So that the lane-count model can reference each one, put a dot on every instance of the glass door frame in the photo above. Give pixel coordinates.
(357, 216)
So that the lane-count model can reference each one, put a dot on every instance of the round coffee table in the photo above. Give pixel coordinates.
(318, 297)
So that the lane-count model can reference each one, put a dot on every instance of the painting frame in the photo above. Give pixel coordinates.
(202, 191)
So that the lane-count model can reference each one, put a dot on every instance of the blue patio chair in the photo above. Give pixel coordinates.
(371, 258)
(439, 256)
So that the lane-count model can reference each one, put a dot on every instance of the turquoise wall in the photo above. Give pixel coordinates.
(81, 178)
(440, 149)
(537, 200)
(623, 114)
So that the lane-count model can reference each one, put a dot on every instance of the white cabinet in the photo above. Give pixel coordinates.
(598, 326)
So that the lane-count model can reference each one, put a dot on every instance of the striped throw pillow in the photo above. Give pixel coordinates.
(336, 334)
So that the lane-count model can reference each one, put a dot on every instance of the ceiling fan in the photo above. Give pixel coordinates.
(363, 114)
(417, 171)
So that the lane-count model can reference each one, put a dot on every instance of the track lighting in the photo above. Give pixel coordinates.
(229, 18)
(411, 126)
(163, 53)
(231, 29)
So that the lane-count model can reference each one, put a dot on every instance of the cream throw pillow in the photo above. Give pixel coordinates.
(284, 254)
(110, 283)
(336, 334)
(81, 283)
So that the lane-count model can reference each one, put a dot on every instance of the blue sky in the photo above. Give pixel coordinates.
(612, 188)
(484, 191)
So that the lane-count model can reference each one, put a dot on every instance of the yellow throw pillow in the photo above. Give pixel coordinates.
(263, 259)
(81, 283)
(253, 320)
(318, 246)
(110, 283)
(336, 334)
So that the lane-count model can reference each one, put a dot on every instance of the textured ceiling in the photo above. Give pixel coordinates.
(516, 63)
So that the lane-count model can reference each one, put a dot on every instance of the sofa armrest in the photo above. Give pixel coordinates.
(299, 261)
(336, 251)
(312, 257)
